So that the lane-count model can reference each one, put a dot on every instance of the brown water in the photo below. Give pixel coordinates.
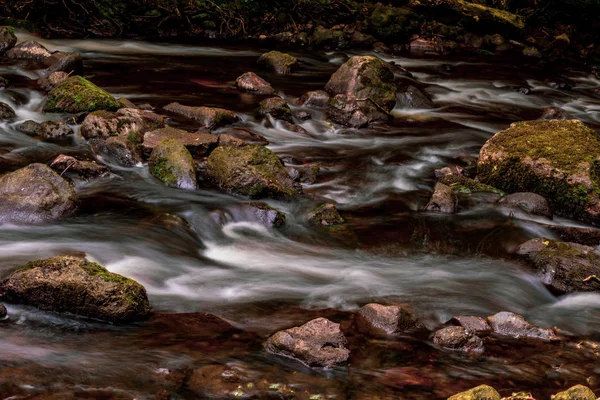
(262, 279)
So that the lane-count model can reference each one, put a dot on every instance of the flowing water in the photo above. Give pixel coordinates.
(263, 279)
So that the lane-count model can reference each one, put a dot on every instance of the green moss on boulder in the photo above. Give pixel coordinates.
(7, 38)
(281, 63)
(578, 392)
(172, 163)
(76, 94)
(482, 392)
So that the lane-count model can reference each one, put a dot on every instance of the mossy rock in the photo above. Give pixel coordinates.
(482, 392)
(279, 62)
(325, 215)
(578, 392)
(327, 38)
(394, 24)
(76, 94)
(252, 171)
(172, 163)
(7, 38)
(559, 160)
(76, 286)
(463, 185)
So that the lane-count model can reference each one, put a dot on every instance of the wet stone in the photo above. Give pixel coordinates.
(6, 112)
(53, 130)
(250, 82)
(325, 215)
(383, 321)
(515, 326)
(85, 169)
(458, 338)
(28, 127)
(531, 203)
(483, 392)
(472, 324)
(578, 392)
(3, 312)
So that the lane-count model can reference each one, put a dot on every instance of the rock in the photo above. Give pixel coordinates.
(29, 127)
(474, 42)
(3, 312)
(35, 194)
(564, 267)
(277, 108)
(253, 212)
(325, 215)
(558, 160)
(127, 122)
(578, 234)
(483, 392)
(410, 96)
(250, 82)
(384, 321)
(53, 130)
(246, 136)
(369, 81)
(532, 52)
(361, 40)
(77, 286)
(394, 24)
(173, 164)
(555, 113)
(578, 392)
(77, 94)
(209, 117)
(53, 80)
(267, 215)
(304, 115)
(421, 46)
(316, 98)
(3, 82)
(85, 169)
(345, 110)
(28, 50)
(252, 170)
(561, 42)
(118, 149)
(7, 38)
(228, 140)
(60, 61)
(199, 144)
(458, 338)
(472, 324)
(318, 343)
(442, 200)
(329, 39)
(514, 326)
(530, 202)
(6, 112)
(304, 173)
(281, 63)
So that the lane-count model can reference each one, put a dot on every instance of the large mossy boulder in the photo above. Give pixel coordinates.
(173, 164)
(483, 392)
(578, 392)
(394, 24)
(252, 171)
(76, 94)
(369, 81)
(7, 38)
(77, 286)
(281, 63)
(35, 194)
(559, 160)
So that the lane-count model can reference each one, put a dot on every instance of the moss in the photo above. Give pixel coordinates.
(164, 172)
(134, 137)
(482, 392)
(172, 163)
(461, 184)
(77, 94)
(282, 63)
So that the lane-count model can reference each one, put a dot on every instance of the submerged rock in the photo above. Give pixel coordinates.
(564, 267)
(77, 94)
(173, 164)
(77, 286)
(325, 215)
(199, 144)
(85, 169)
(279, 62)
(386, 321)
(559, 160)
(6, 112)
(250, 82)
(252, 170)
(209, 117)
(7, 38)
(529, 202)
(318, 343)
(515, 326)
(578, 392)
(29, 50)
(53, 130)
(277, 108)
(458, 338)
(483, 392)
(35, 194)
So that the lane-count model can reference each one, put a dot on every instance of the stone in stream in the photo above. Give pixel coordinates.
(386, 321)
(515, 326)
(245, 135)
(8, 39)
(53, 130)
(172, 163)
(209, 117)
(482, 392)
(52, 81)
(531, 203)
(304, 173)
(76, 286)
(459, 339)
(559, 160)
(318, 343)
(277, 108)
(60, 61)
(130, 123)
(252, 170)
(325, 215)
(315, 98)
(442, 200)
(199, 144)
(585, 235)
(35, 194)
(85, 169)
(578, 392)
(76, 94)
(549, 113)
(6, 112)
(29, 127)
(253, 212)
(564, 267)
(279, 62)
(346, 110)
(472, 324)
(3, 312)
(250, 82)
(410, 96)
(366, 82)
(29, 50)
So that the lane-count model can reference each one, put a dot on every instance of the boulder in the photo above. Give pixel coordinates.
(8, 39)
(127, 122)
(250, 82)
(85, 169)
(120, 150)
(277, 108)
(28, 127)
(530, 202)
(199, 144)
(394, 24)
(325, 215)
(442, 200)
(459, 339)
(483, 392)
(6, 112)
(53, 130)
(279, 62)
(76, 286)
(35, 194)
(564, 267)
(555, 113)
(369, 81)
(318, 343)
(559, 160)
(578, 392)
(76, 94)
(3, 312)
(209, 117)
(346, 110)
(386, 321)
(472, 324)
(172, 163)
(410, 96)
(252, 170)
(267, 215)
(29, 50)
(53, 80)
(60, 61)
(516, 327)
(316, 98)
